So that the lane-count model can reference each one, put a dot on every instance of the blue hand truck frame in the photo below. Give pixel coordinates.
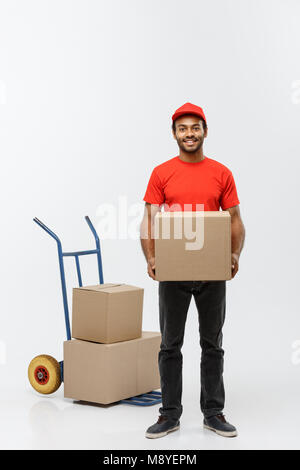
(145, 399)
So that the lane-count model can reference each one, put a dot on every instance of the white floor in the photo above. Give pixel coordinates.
(266, 415)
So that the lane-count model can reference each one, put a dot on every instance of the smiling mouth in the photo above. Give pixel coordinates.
(189, 142)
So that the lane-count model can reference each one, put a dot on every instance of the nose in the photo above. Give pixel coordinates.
(190, 135)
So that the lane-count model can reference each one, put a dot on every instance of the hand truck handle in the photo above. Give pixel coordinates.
(47, 229)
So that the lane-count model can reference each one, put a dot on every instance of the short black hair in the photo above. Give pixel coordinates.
(174, 126)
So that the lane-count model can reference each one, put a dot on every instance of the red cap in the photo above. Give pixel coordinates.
(189, 108)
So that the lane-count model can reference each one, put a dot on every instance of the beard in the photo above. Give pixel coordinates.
(183, 146)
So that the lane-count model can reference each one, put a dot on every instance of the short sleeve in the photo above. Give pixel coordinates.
(229, 197)
(154, 192)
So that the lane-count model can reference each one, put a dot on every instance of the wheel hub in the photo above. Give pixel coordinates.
(41, 375)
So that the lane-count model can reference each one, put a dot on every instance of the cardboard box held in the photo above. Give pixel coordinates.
(107, 313)
(192, 246)
(105, 373)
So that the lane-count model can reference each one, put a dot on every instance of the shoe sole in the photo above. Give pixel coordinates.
(222, 433)
(160, 434)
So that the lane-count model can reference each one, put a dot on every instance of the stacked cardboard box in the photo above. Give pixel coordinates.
(111, 358)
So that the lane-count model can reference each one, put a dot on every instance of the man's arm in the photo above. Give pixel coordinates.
(237, 237)
(147, 236)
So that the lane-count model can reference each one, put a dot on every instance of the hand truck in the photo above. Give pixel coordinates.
(45, 373)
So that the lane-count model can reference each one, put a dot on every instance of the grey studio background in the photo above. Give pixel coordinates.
(87, 90)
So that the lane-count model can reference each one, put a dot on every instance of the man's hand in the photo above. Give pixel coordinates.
(237, 238)
(234, 264)
(151, 268)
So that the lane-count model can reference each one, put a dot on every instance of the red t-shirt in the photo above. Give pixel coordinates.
(175, 183)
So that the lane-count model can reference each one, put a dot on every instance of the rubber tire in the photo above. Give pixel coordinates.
(54, 374)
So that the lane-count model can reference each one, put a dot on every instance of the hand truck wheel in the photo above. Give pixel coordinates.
(44, 374)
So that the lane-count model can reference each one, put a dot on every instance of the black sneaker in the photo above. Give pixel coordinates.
(163, 426)
(219, 425)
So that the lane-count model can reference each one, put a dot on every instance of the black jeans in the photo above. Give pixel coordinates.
(174, 301)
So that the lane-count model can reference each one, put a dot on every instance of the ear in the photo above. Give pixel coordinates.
(205, 132)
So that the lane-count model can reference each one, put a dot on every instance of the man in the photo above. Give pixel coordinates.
(191, 178)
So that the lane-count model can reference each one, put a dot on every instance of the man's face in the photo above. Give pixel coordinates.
(189, 133)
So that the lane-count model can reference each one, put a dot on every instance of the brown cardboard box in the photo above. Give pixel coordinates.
(107, 313)
(105, 373)
(192, 246)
